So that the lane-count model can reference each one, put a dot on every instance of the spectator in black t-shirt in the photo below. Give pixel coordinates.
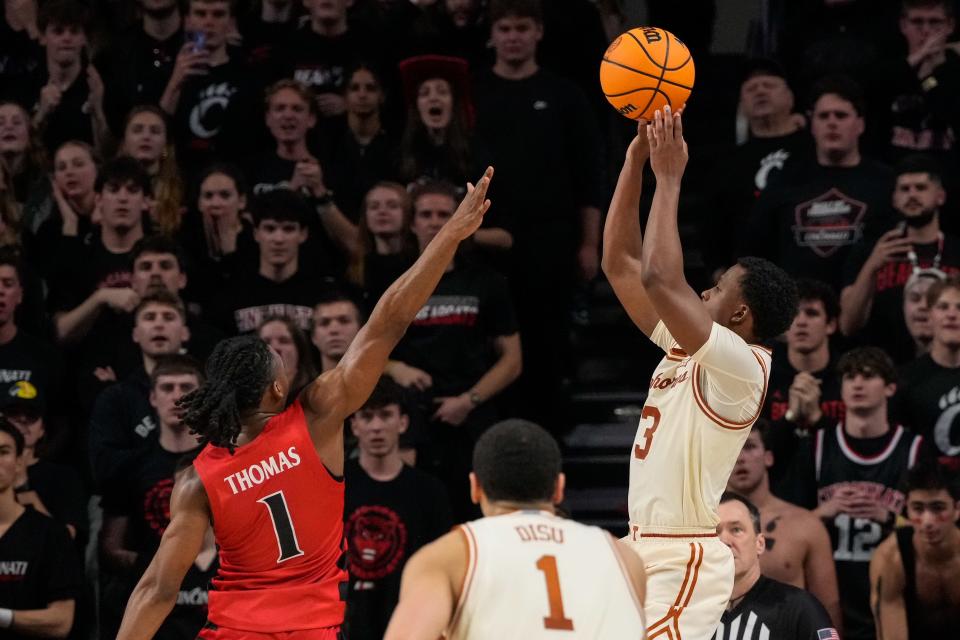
(218, 239)
(771, 608)
(812, 214)
(139, 61)
(291, 115)
(322, 50)
(543, 139)
(461, 350)
(20, 54)
(804, 389)
(41, 575)
(211, 95)
(390, 511)
(92, 289)
(336, 320)
(437, 142)
(918, 94)
(776, 133)
(453, 28)
(67, 93)
(52, 489)
(928, 400)
(363, 148)
(137, 507)
(61, 207)
(122, 420)
(267, 27)
(386, 246)
(24, 357)
(875, 274)
(280, 286)
(916, 313)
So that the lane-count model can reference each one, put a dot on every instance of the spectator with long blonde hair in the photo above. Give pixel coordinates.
(146, 139)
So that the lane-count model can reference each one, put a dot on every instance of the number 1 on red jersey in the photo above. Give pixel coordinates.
(276, 504)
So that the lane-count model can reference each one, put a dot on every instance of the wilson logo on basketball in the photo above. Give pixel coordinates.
(652, 35)
(627, 108)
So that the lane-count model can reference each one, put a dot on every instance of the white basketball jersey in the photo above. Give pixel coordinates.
(696, 418)
(535, 575)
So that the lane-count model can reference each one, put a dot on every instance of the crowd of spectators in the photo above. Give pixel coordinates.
(173, 172)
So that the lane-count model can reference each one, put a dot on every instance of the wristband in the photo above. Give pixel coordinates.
(6, 618)
(323, 201)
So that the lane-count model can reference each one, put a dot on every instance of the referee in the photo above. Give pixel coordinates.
(762, 608)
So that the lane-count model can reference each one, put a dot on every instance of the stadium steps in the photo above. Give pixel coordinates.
(596, 459)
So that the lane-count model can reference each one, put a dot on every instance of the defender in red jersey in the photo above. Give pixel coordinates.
(270, 480)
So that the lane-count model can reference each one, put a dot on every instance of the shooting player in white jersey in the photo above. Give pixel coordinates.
(521, 572)
(704, 395)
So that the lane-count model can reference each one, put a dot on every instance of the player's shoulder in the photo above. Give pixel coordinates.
(803, 518)
(886, 557)
(452, 554)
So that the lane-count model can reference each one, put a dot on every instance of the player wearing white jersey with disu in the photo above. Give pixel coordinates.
(704, 395)
(521, 572)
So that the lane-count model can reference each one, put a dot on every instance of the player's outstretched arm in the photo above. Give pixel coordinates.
(342, 390)
(680, 308)
(623, 238)
(886, 591)
(430, 589)
(156, 593)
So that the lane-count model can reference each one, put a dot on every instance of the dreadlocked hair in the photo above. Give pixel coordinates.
(238, 372)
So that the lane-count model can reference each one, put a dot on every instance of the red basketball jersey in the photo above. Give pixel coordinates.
(278, 520)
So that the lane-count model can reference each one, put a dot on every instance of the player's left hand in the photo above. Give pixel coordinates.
(453, 410)
(668, 149)
(468, 216)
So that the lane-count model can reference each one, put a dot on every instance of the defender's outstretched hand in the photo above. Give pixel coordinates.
(668, 149)
(469, 214)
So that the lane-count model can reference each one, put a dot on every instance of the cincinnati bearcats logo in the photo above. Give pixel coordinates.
(156, 506)
(946, 431)
(377, 539)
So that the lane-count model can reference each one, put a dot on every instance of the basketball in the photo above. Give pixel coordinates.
(646, 69)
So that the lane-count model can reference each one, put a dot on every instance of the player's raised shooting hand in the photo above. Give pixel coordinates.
(469, 214)
(639, 149)
(668, 149)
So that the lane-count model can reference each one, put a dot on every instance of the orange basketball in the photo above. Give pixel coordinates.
(646, 69)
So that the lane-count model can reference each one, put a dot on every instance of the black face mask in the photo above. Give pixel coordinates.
(921, 220)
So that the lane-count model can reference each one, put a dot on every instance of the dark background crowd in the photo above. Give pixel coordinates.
(176, 172)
